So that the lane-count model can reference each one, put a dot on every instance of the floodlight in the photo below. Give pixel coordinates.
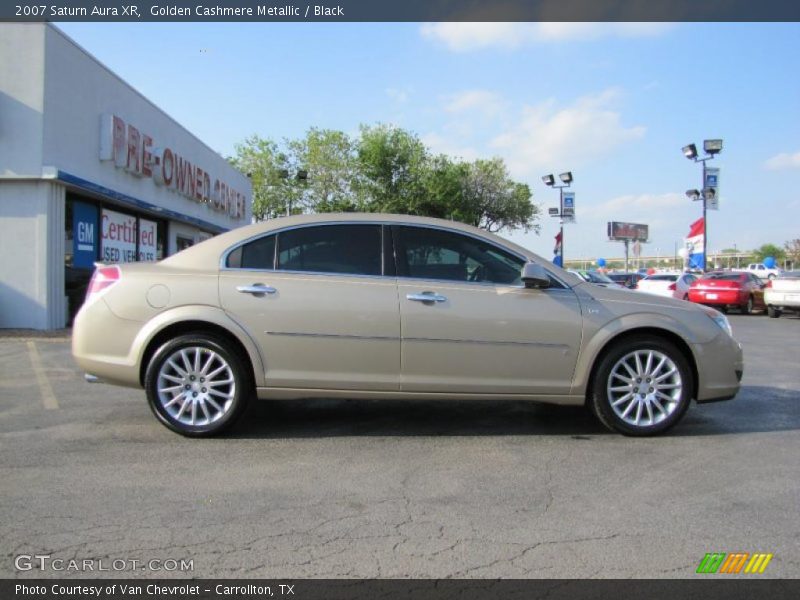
(712, 147)
(709, 193)
(690, 151)
(302, 175)
(693, 194)
(566, 177)
(549, 180)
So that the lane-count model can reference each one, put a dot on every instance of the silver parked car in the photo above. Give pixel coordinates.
(388, 306)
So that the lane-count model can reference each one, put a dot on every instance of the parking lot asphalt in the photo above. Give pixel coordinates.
(398, 489)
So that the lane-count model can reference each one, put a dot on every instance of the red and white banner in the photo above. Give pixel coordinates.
(694, 244)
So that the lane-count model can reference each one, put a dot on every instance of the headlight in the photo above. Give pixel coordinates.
(720, 320)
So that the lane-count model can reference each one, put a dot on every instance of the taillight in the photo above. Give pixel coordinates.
(671, 287)
(102, 279)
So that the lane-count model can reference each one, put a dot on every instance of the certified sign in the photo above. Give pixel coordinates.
(118, 237)
(148, 244)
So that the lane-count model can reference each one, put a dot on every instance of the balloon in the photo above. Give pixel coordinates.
(769, 262)
(683, 253)
(651, 271)
(601, 262)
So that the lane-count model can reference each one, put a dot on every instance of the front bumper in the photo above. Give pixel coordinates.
(720, 367)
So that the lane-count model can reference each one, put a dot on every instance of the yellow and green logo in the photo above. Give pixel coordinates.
(734, 563)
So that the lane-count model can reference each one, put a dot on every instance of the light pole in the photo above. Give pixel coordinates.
(550, 181)
(708, 192)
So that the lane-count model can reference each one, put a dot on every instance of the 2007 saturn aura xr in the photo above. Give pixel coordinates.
(389, 306)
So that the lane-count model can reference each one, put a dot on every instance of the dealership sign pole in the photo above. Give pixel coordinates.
(565, 212)
(627, 233)
(709, 194)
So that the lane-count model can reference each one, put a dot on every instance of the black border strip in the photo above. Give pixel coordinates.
(402, 10)
(731, 587)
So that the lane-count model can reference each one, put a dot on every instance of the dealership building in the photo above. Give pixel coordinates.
(91, 170)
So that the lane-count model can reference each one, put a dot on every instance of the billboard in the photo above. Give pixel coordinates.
(618, 230)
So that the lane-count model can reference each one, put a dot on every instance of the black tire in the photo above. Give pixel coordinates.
(773, 312)
(238, 391)
(600, 402)
(747, 309)
(686, 297)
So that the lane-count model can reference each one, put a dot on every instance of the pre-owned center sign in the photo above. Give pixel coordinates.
(135, 151)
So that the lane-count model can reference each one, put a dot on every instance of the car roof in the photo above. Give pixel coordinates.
(210, 251)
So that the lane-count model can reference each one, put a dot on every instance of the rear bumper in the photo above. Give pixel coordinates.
(724, 298)
(101, 344)
(782, 299)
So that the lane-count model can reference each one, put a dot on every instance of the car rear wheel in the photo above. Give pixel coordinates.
(642, 386)
(747, 308)
(773, 312)
(197, 385)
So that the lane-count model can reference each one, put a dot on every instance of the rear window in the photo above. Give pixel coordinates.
(724, 276)
(661, 278)
(258, 254)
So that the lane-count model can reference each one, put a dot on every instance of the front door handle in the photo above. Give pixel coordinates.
(426, 297)
(256, 288)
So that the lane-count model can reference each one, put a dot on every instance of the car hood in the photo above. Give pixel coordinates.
(637, 300)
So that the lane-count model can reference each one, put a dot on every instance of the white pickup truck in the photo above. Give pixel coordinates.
(760, 271)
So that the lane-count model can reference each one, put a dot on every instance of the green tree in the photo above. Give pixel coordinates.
(385, 169)
(329, 158)
(392, 165)
(769, 250)
(272, 171)
(793, 250)
(494, 201)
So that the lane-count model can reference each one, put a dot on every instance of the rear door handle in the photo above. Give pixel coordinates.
(256, 288)
(426, 297)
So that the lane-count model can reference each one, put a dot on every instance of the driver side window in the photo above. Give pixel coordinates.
(435, 254)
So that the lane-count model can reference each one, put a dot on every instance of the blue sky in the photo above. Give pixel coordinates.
(613, 103)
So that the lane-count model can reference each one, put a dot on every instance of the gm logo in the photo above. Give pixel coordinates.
(731, 564)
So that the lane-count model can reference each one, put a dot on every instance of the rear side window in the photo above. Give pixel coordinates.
(258, 254)
(349, 249)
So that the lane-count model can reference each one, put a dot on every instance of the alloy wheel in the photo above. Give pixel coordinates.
(644, 387)
(195, 386)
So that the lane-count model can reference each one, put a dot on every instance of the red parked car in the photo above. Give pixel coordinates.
(725, 289)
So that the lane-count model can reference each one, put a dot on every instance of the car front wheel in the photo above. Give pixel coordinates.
(197, 385)
(773, 312)
(642, 386)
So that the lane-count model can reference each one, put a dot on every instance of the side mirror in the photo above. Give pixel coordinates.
(534, 276)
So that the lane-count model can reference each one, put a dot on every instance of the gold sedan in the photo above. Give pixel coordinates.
(390, 306)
